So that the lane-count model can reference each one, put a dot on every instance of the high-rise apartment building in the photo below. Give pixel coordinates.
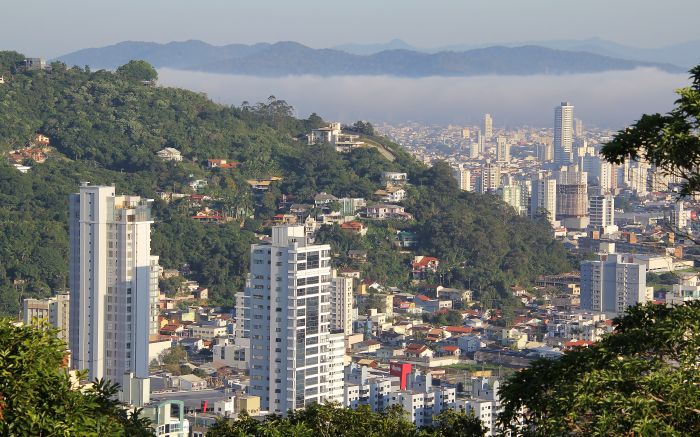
(490, 178)
(544, 152)
(601, 210)
(502, 149)
(543, 197)
(55, 310)
(572, 196)
(563, 133)
(512, 195)
(578, 128)
(341, 303)
(464, 178)
(113, 282)
(611, 284)
(294, 358)
(488, 127)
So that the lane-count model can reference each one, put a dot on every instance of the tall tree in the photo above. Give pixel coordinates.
(670, 142)
(642, 380)
(37, 396)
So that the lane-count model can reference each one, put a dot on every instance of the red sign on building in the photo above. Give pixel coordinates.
(402, 370)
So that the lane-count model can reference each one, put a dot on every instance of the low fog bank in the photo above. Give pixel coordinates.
(612, 99)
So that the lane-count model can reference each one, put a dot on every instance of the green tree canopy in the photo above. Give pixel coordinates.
(37, 397)
(332, 420)
(644, 380)
(138, 71)
(670, 141)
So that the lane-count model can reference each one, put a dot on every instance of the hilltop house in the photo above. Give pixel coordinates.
(421, 265)
(169, 154)
(390, 194)
(381, 211)
(221, 163)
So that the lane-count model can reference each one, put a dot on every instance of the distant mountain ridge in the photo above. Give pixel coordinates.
(291, 58)
(685, 54)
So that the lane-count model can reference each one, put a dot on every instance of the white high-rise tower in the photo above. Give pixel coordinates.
(294, 358)
(488, 127)
(543, 200)
(113, 281)
(563, 133)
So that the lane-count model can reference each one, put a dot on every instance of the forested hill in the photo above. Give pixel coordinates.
(107, 127)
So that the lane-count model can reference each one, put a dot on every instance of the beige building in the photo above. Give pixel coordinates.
(55, 310)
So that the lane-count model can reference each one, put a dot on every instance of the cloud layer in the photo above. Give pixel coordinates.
(612, 99)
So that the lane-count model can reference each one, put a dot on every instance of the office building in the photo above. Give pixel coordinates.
(563, 133)
(488, 127)
(612, 283)
(113, 282)
(341, 303)
(54, 310)
(294, 359)
(578, 127)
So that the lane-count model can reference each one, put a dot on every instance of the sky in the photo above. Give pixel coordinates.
(49, 28)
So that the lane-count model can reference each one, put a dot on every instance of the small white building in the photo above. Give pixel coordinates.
(169, 154)
(192, 382)
(688, 290)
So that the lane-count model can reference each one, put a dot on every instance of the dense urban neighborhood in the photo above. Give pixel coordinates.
(227, 263)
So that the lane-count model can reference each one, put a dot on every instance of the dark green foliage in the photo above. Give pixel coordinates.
(384, 263)
(642, 380)
(449, 318)
(478, 239)
(139, 71)
(106, 129)
(669, 141)
(9, 61)
(36, 397)
(363, 128)
(331, 420)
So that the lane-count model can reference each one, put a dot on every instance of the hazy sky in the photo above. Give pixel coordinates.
(50, 28)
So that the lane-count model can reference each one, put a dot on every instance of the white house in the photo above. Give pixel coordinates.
(169, 154)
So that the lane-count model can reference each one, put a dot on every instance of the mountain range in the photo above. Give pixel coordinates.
(686, 54)
(398, 59)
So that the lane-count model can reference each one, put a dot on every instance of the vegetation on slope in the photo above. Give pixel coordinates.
(106, 128)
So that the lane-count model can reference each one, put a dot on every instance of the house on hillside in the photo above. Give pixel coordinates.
(390, 194)
(31, 64)
(169, 154)
(41, 140)
(222, 163)
(394, 178)
(383, 211)
(414, 350)
(422, 265)
(354, 227)
(324, 199)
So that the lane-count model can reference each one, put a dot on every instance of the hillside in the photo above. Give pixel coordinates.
(106, 128)
(291, 58)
